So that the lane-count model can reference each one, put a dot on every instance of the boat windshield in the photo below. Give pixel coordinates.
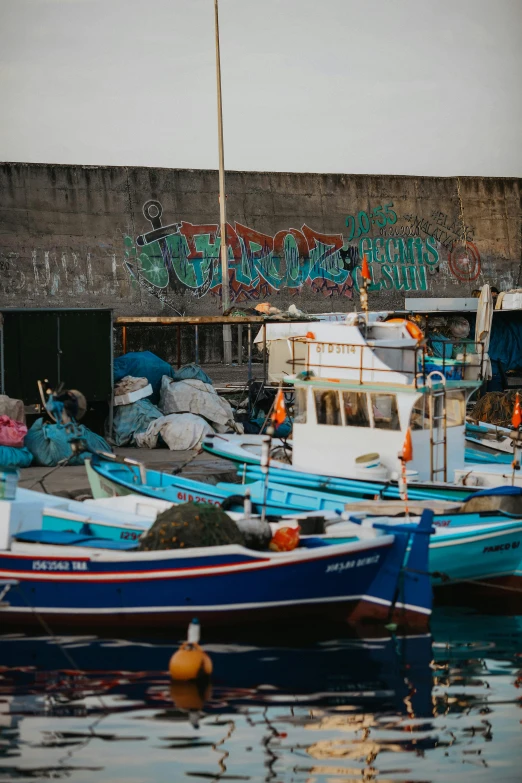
(327, 407)
(300, 406)
(385, 411)
(355, 406)
(356, 409)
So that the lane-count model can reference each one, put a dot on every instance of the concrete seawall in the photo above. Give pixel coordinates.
(146, 241)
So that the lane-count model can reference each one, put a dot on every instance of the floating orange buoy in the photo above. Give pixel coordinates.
(284, 539)
(190, 662)
(190, 695)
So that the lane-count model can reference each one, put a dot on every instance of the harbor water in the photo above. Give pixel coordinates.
(299, 709)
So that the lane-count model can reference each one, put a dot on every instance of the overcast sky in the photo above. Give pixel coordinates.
(428, 87)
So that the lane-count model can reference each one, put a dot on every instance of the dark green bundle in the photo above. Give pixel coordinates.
(191, 525)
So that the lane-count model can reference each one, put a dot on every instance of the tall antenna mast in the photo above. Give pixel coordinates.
(225, 293)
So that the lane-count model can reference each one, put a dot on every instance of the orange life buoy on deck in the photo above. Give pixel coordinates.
(413, 330)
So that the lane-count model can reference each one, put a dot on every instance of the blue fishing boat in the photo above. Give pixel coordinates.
(77, 580)
(108, 479)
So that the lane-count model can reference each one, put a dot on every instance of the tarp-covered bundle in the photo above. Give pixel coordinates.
(194, 396)
(12, 433)
(142, 364)
(180, 431)
(130, 420)
(145, 364)
(13, 453)
(49, 443)
(191, 525)
(11, 457)
(12, 408)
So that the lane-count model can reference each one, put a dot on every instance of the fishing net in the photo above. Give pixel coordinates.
(191, 525)
(494, 408)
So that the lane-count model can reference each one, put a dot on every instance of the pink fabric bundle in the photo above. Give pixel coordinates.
(12, 433)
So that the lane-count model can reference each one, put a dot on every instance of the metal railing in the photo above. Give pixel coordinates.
(420, 363)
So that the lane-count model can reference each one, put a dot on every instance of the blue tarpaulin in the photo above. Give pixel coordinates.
(49, 443)
(11, 457)
(506, 340)
(133, 418)
(145, 364)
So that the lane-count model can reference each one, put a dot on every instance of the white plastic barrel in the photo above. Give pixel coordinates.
(368, 467)
(8, 483)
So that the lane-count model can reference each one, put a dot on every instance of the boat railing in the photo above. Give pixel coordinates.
(416, 361)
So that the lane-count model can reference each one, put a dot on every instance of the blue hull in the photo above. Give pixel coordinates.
(354, 489)
(280, 499)
(226, 585)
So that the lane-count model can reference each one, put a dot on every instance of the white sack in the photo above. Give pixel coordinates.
(129, 384)
(180, 431)
(12, 408)
(193, 396)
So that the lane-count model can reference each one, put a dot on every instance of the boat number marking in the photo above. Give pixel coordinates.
(129, 535)
(196, 499)
(443, 523)
(362, 561)
(59, 565)
(329, 348)
(502, 547)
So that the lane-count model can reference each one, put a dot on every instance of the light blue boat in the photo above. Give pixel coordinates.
(110, 479)
(352, 489)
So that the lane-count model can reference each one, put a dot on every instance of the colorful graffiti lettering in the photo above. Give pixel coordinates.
(259, 264)
(379, 216)
(398, 263)
(184, 257)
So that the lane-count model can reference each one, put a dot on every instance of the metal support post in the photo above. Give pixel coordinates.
(240, 344)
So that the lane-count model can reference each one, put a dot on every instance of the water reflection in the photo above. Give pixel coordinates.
(391, 709)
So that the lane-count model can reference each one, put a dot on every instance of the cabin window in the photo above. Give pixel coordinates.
(327, 407)
(356, 409)
(300, 406)
(385, 412)
(420, 414)
(455, 408)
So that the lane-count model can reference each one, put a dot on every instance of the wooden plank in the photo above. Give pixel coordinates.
(187, 320)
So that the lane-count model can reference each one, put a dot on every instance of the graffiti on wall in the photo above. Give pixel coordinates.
(184, 257)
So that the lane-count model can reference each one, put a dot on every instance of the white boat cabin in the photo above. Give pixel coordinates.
(358, 390)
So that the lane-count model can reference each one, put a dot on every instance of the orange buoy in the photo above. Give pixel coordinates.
(407, 450)
(413, 330)
(190, 662)
(190, 695)
(284, 539)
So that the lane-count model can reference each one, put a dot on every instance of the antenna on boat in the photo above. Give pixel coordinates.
(406, 455)
(366, 276)
(516, 421)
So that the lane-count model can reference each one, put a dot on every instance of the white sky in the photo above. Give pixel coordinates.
(428, 87)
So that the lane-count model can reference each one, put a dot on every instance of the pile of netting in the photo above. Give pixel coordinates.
(191, 525)
(495, 408)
